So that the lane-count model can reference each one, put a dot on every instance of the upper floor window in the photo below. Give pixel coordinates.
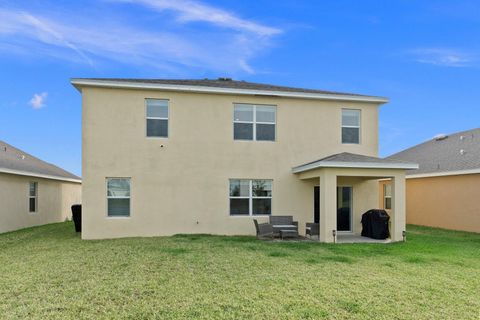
(157, 118)
(350, 126)
(32, 197)
(254, 122)
(387, 196)
(118, 197)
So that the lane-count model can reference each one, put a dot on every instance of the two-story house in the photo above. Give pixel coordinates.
(162, 157)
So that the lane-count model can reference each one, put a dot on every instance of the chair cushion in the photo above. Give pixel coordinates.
(284, 226)
(281, 219)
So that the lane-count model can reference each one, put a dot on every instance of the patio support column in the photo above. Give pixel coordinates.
(398, 218)
(328, 204)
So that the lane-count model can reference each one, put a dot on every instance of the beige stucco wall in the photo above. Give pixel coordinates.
(181, 184)
(449, 202)
(54, 200)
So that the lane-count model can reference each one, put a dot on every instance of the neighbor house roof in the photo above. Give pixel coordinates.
(222, 85)
(457, 153)
(16, 161)
(352, 160)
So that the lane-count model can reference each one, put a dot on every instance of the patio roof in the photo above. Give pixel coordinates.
(352, 160)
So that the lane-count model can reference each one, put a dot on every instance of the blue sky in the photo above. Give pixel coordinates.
(423, 55)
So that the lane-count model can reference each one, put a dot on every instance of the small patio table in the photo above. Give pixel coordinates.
(288, 233)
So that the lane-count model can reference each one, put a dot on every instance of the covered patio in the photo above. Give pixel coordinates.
(348, 187)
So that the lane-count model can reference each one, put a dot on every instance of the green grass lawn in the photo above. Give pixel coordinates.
(49, 272)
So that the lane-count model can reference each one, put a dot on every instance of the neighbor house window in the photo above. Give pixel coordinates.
(387, 196)
(118, 197)
(254, 122)
(33, 197)
(157, 118)
(250, 197)
(350, 126)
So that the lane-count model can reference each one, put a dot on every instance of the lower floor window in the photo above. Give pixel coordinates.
(250, 197)
(118, 197)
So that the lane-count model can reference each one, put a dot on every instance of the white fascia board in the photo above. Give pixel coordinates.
(354, 165)
(79, 83)
(443, 174)
(38, 175)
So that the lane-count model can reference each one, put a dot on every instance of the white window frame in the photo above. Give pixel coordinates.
(250, 199)
(254, 121)
(33, 197)
(385, 197)
(113, 197)
(157, 118)
(359, 127)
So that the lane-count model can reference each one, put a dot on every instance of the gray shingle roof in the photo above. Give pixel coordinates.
(445, 155)
(353, 157)
(230, 84)
(13, 159)
(352, 160)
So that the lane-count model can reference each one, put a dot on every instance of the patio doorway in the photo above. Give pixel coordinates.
(344, 209)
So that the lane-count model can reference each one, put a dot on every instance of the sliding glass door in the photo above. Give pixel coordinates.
(344, 209)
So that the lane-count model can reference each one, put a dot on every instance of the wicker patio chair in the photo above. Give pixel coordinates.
(312, 229)
(264, 230)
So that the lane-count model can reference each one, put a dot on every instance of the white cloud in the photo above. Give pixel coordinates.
(38, 100)
(20, 23)
(228, 49)
(443, 57)
(196, 11)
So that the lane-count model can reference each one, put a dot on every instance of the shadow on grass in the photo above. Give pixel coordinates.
(415, 259)
(342, 259)
(324, 259)
(349, 306)
(210, 237)
(313, 313)
(176, 251)
(277, 254)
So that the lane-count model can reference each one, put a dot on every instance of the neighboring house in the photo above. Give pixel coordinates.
(445, 190)
(33, 192)
(162, 157)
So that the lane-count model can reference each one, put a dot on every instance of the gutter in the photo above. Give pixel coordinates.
(39, 175)
(79, 83)
(354, 165)
(443, 174)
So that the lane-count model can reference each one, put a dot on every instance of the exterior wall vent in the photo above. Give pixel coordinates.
(440, 137)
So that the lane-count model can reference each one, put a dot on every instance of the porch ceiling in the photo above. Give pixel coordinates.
(354, 161)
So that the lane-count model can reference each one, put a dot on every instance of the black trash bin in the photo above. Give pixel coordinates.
(375, 224)
(77, 217)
